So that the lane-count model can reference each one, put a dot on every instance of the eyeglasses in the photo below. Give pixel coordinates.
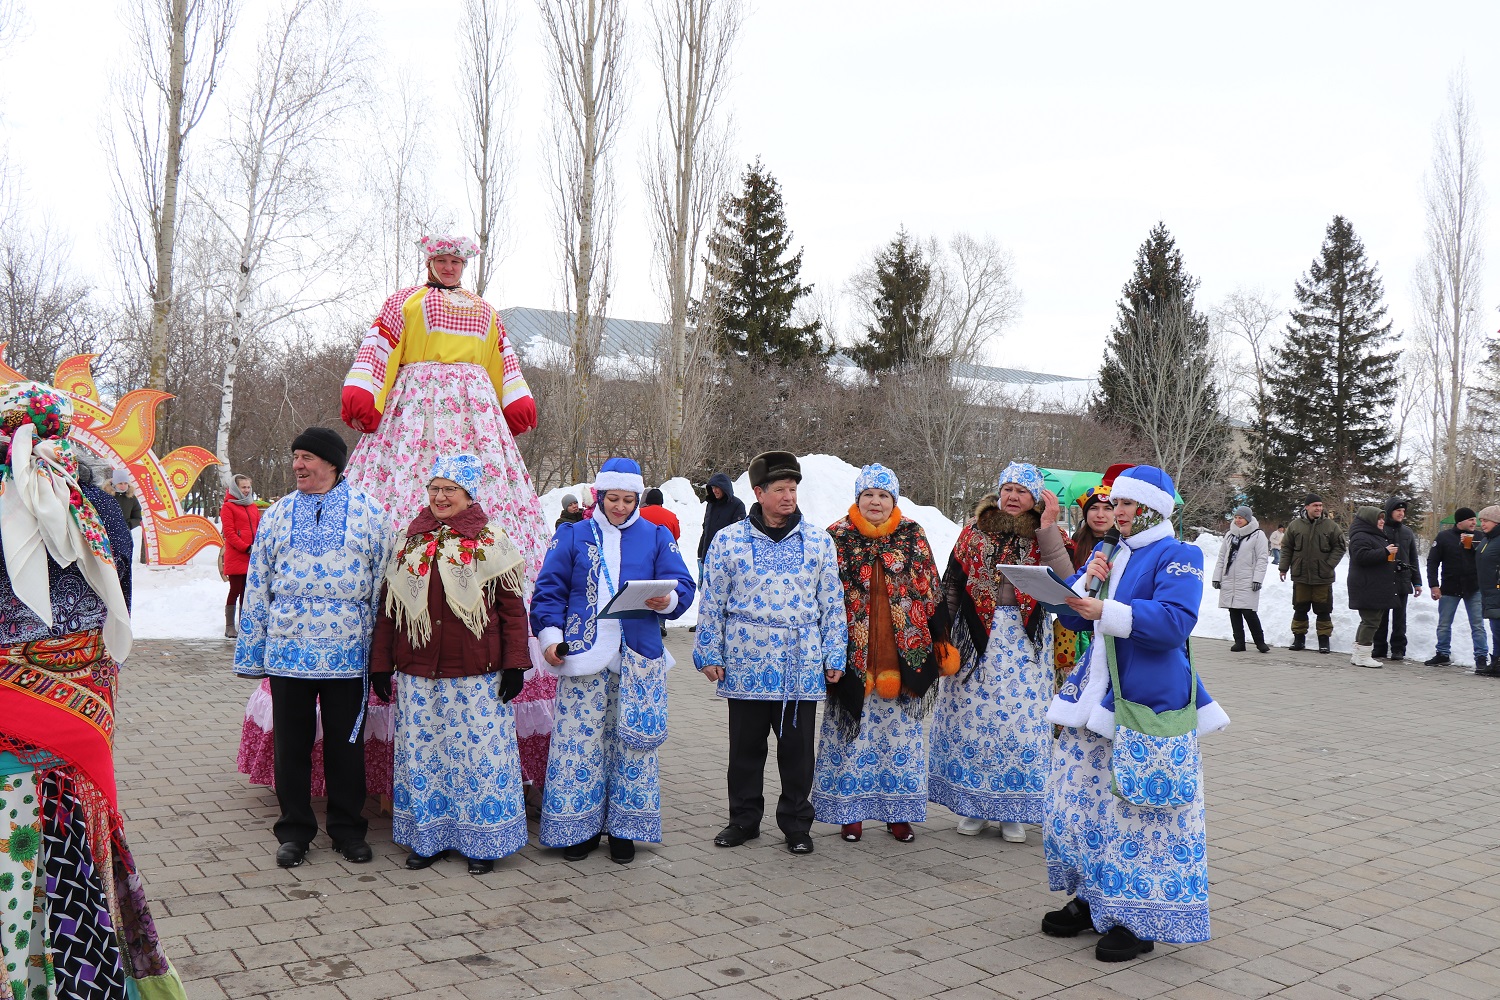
(446, 491)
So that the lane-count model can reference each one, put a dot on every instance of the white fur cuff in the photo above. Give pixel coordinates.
(1211, 718)
(1117, 619)
(1102, 721)
(550, 637)
(671, 603)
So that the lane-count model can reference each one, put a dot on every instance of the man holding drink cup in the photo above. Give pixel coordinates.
(1454, 579)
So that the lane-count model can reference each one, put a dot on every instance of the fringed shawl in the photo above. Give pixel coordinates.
(912, 587)
(472, 556)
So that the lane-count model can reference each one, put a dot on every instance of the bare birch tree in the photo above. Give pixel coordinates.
(1247, 319)
(485, 127)
(271, 216)
(176, 60)
(688, 163)
(400, 183)
(586, 58)
(1448, 279)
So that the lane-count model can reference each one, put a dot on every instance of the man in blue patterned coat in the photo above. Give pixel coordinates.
(771, 634)
(311, 599)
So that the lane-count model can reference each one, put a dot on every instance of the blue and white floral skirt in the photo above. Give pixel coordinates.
(880, 776)
(1143, 869)
(991, 741)
(457, 782)
(595, 783)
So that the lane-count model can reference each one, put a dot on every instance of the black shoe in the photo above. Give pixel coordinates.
(1493, 670)
(356, 851)
(582, 850)
(416, 862)
(799, 843)
(1380, 654)
(1069, 920)
(481, 866)
(1323, 644)
(1442, 660)
(1299, 642)
(1397, 655)
(1262, 647)
(1238, 647)
(734, 836)
(291, 854)
(621, 851)
(1120, 945)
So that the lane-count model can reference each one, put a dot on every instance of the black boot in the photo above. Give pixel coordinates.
(1299, 641)
(581, 850)
(1487, 668)
(1442, 660)
(1323, 646)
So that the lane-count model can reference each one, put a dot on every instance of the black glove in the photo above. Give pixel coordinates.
(1255, 586)
(381, 685)
(511, 682)
(1216, 584)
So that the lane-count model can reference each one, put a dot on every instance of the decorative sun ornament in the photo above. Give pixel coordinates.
(123, 436)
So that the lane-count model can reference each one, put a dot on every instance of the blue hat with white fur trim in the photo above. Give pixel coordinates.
(620, 474)
(465, 470)
(877, 477)
(1148, 485)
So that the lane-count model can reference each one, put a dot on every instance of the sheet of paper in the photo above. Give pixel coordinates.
(633, 596)
(1040, 583)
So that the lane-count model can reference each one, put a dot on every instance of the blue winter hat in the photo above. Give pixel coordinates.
(877, 477)
(1026, 475)
(1147, 485)
(465, 470)
(620, 474)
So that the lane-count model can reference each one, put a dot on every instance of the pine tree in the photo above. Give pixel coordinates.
(752, 280)
(902, 334)
(1333, 384)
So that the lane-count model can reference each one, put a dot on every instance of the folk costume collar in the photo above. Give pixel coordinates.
(472, 562)
(864, 527)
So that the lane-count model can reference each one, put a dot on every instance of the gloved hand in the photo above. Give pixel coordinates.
(511, 682)
(358, 409)
(1216, 585)
(1255, 586)
(520, 416)
(381, 685)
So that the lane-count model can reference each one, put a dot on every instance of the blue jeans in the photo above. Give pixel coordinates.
(1448, 607)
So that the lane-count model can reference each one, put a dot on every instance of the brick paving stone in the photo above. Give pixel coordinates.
(1352, 849)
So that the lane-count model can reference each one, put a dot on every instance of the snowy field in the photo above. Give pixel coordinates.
(186, 602)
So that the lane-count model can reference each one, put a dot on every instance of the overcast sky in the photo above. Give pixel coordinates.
(1063, 130)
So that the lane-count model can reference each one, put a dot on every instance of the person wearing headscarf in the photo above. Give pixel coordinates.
(239, 518)
(872, 758)
(311, 599)
(990, 743)
(453, 624)
(1098, 517)
(1238, 576)
(1138, 874)
(76, 922)
(611, 708)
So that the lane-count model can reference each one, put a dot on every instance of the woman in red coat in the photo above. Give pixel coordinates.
(238, 520)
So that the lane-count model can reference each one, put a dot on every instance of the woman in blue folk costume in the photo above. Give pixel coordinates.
(1139, 873)
(611, 697)
(991, 745)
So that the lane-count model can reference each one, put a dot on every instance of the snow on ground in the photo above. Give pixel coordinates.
(178, 602)
(1276, 614)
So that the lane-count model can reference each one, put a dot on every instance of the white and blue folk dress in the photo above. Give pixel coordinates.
(991, 747)
(1145, 869)
(611, 711)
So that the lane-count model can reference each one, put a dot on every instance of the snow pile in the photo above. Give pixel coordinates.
(1276, 613)
(178, 602)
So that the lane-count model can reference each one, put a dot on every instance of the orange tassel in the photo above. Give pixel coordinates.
(888, 684)
(948, 659)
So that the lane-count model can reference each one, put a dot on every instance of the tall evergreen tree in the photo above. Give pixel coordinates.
(903, 333)
(1333, 384)
(753, 280)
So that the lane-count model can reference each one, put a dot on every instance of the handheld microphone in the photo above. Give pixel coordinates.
(1111, 543)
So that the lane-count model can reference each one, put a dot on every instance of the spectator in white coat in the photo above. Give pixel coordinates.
(1238, 577)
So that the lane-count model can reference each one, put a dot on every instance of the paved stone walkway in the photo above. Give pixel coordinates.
(1353, 819)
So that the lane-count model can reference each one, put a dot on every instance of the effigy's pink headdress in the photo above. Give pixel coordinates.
(458, 246)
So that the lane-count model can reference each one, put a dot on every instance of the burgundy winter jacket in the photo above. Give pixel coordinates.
(453, 650)
(239, 523)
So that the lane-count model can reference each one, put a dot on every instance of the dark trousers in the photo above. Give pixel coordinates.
(750, 726)
(236, 590)
(1391, 635)
(1239, 618)
(294, 711)
(1315, 596)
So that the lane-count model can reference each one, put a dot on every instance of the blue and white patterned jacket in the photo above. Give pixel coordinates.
(772, 613)
(313, 590)
(587, 563)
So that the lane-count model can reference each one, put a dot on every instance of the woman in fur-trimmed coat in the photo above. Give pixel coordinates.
(990, 744)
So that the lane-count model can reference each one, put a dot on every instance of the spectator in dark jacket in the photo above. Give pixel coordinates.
(1372, 580)
(653, 511)
(1408, 581)
(571, 512)
(1487, 568)
(722, 510)
(1311, 551)
(1453, 581)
